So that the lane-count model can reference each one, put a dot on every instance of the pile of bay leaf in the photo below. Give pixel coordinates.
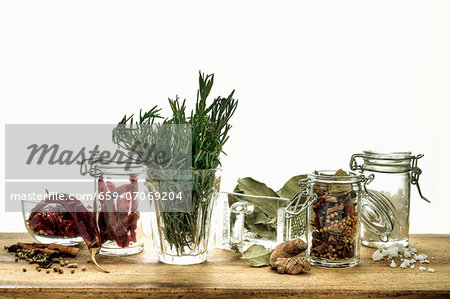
(263, 220)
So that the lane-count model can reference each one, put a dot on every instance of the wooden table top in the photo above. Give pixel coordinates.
(225, 275)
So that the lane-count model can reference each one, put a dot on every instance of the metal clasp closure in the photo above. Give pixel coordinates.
(415, 174)
(415, 171)
(354, 164)
(305, 186)
(92, 170)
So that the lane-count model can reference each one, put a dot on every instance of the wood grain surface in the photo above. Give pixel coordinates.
(225, 275)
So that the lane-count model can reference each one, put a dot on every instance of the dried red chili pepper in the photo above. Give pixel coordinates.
(53, 222)
(130, 219)
(131, 225)
(82, 217)
(123, 208)
(103, 231)
(110, 185)
(134, 214)
(124, 194)
(111, 227)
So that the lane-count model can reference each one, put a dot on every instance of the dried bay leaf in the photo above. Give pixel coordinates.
(260, 218)
(264, 231)
(263, 220)
(260, 224)
(273, 223)
(291, 189)
(257, 256)
(253, 187)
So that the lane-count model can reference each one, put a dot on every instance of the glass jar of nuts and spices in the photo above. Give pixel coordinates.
(333, 223)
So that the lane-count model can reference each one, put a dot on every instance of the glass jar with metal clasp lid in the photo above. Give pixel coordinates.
(388, 186)
(333, 217)
(119, 200)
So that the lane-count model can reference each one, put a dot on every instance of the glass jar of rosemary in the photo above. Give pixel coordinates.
(182, 202)
(182, 155)
(389, 178)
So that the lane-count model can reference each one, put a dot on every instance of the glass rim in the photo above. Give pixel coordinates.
(115, 169)
(219, 168)
(33, 201)
(118, 166)
(254, 195)
(392, 162)
(387, 155)
(327, 176)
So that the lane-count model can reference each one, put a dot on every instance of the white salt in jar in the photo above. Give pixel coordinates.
(388, 185)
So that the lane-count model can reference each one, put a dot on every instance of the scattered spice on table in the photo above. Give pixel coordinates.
(73, 265)
(41, 255)
(83, 219)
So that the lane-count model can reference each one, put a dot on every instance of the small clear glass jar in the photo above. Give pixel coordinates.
(389, 178)
(117, 208)
(333, 218)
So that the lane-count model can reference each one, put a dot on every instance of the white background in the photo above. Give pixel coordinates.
(317, 81)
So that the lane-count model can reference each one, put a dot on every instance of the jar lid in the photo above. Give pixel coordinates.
(377, 213)
(330, 177)
(98, 167)
(340, 179)
(394, 162)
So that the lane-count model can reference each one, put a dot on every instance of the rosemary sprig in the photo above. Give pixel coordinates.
(210, 126)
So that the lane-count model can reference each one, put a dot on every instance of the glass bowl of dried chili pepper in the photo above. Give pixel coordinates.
(50, 223)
